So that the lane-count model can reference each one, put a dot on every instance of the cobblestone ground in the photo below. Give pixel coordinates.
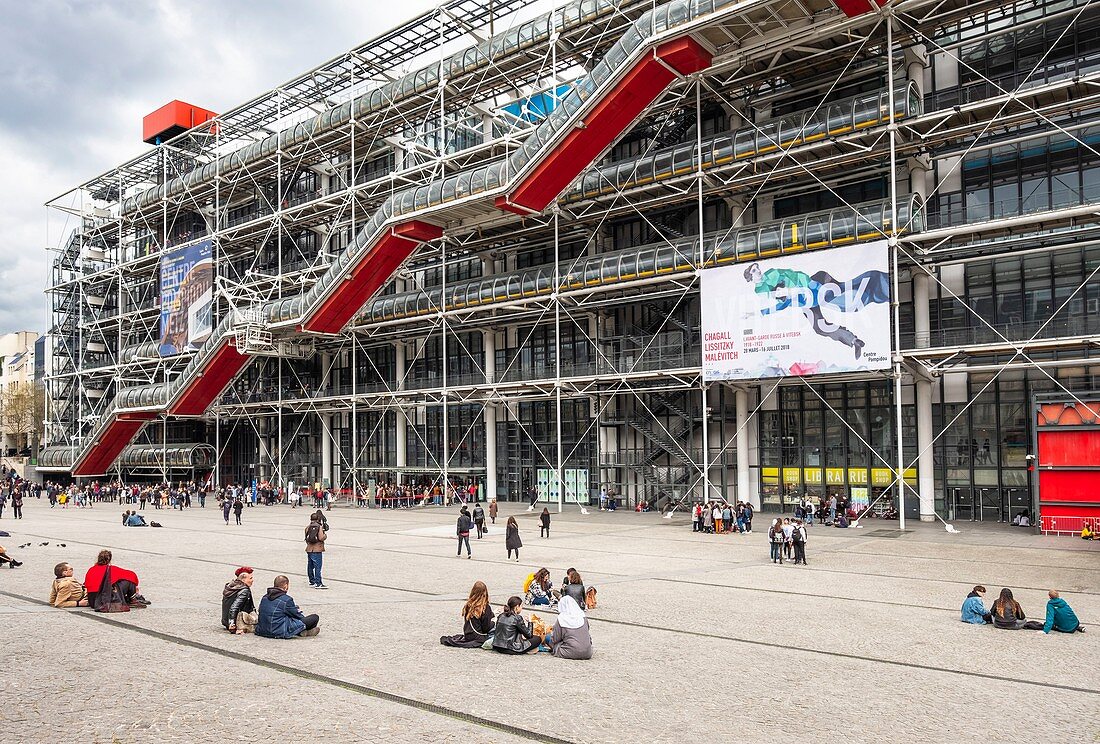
(697, 636)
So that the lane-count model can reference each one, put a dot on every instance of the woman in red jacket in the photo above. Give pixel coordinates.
(106, 583)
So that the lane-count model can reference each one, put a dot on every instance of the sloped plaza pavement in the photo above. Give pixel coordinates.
(698, 637)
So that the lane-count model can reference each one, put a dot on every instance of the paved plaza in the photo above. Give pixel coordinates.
(698, 637)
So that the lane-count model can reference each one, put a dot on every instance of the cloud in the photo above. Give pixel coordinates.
(76, 77)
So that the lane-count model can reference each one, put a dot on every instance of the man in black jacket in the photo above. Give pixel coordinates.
(464, 526)
(479, 519)
(238, 608)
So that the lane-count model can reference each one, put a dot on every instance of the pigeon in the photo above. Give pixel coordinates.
(42, 544)
(25, 545)
(62, 544)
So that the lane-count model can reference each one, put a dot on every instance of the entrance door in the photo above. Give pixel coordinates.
(1016, 501)
(991, 507)
(962, 503)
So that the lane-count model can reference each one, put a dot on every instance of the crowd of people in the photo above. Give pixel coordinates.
(721, 517)
(1007, 614)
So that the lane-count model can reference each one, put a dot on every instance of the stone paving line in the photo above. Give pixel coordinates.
(718, 633)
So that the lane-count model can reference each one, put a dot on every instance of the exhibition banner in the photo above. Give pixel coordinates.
(811, 313)
(186, 297)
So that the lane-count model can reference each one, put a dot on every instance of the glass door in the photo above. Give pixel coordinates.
(962, 503)
(991, 507)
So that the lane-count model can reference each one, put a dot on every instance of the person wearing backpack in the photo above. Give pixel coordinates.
(798, 535)
(315, 551)
(775, 537)
(465, 524)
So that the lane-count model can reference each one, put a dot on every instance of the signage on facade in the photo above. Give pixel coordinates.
(802, 314)
(186, 297)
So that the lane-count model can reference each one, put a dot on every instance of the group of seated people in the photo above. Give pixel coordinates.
(1007, 614)
(133, 519)
(538, 590)
(278, 615)
(106, 587)
(511, 633)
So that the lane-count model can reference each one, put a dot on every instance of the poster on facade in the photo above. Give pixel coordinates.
(811, 313)
(186, 297)
(575, 481)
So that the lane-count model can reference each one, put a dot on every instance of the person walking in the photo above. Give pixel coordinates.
(465, 524)
(511, 538)
(493, 511)
(544, 521)
(315, 551)
(479, 519)
(238, 507)
(227, 505)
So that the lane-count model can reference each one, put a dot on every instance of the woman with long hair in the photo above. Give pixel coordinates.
(573, 586)
(477, 620)
(776, 538)
(541, 591)
(511, 538)
(1007, 612)
(544, 522)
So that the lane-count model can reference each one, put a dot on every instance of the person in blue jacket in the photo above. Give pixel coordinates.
(973, 609)
(1060, 616)
(279, 617)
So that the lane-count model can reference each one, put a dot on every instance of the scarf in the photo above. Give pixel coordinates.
(570, 614)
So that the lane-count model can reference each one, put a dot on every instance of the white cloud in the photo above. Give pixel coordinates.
(76, 77)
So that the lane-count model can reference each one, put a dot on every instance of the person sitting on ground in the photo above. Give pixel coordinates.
(1007, 612)
(513, 634)
(571, 637)
(1023, 519)
(5, 558)
(1060, 617)
(540, 592)
(973, 609)
(125, 516)
(279, 616)
(135, 520)
(238, 607)
(1087, 532)
(573, 587)
(109, 584)
(477, 620)
(67, 591)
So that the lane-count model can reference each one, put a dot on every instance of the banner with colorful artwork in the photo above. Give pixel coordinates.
(811, 313)
(186, 297)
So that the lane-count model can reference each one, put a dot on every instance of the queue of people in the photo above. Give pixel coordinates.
(513, 634)
(1006, 613)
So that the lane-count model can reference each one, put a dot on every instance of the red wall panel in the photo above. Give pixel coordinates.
(1069, 447)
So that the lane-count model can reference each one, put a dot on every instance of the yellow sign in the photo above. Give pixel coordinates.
(836, 476)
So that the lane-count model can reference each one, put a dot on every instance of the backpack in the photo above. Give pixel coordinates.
(527, 583)
(313, 533)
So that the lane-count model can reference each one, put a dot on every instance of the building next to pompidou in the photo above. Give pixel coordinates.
(743, 249)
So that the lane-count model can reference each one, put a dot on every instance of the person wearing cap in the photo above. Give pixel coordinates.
(238, 607)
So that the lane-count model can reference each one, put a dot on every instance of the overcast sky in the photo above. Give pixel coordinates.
(77, 77)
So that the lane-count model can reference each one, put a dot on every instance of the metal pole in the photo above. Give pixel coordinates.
(702, 263)
(443, 347)
(893, 242)
(557, 359)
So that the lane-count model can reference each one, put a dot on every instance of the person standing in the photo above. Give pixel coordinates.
(479, 519)
(798, 535)
(832, 509)
(17, 503)
(315, 551)
(465, 524)
(775, 538)
(544, 522)
(511, 538)
(238, 507)
(748, 517)
(603, 497)
(493, 511)
(227, 505)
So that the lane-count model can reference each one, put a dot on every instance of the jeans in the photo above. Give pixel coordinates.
(312, 620)
(809, 518)
(463, 539)
(313, 568)
(540, 600)
(777, 554)
(832, 514)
